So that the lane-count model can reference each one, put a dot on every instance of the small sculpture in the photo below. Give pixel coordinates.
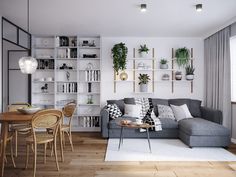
(67, 75)
(44, 88)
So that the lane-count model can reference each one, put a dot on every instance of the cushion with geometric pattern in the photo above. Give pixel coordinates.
(114, 111)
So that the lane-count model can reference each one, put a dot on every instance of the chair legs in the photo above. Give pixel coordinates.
(16, 142)
(12, 156)
(45, 152)
(70, 139)
(27, 156)
(55, 154)
(35, 158)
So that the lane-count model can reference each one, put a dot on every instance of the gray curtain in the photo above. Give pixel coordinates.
(217, 73)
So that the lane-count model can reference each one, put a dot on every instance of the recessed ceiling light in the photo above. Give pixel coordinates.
(199, 7)
(143, 7)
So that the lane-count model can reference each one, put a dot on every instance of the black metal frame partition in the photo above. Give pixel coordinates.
(17, 43)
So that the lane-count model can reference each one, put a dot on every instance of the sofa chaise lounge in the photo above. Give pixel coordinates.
(205, 129)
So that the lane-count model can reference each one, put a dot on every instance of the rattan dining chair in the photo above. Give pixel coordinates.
(9, 139)
(68, 112)
(43, 120)
(18, 128)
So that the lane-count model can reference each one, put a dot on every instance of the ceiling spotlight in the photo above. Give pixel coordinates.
(199, 7)
(143, 7)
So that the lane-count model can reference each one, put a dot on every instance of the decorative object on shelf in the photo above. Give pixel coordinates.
(199, 7)
(64, 41)
(64, 66)
(189, 71)
(143, 82)
(141, 65)
(182, 56)
(178, 75)
(87, 43)
(165, 77)
(163, 64)
(143, 51)
(67, 75)
(28, 65)
(123, 76)
(44, 88)
(119, 54)
(143, 7)
(89, 66)
(89, 87)
(49, 79)
(90, 99)
(74, 42)
(89, 55)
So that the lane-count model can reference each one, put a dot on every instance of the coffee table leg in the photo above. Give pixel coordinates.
(121, 137)
(148, 137)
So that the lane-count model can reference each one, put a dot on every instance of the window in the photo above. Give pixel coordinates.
(233, 68)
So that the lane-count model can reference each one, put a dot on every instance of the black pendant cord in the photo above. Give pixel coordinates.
(28, 15)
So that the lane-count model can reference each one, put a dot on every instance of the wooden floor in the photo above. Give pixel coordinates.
(87, 160)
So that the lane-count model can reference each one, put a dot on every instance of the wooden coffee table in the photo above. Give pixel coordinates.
(135, 126)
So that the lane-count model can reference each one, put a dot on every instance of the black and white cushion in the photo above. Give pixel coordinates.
(114, 111)
(144, 102)
(165, 111)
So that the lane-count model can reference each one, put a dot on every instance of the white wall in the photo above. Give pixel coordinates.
(163, 48)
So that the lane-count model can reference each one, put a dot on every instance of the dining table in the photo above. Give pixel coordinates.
(8, 118)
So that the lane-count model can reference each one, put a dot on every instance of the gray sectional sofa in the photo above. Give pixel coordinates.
(204, 129)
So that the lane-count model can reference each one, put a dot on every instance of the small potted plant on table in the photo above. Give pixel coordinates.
(163, 64)
(143, 51)
(143, 82)
(189, 72)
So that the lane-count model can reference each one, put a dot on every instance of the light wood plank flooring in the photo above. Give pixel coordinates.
(87, 160)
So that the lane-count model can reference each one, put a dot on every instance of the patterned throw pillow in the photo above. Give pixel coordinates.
(114, 111)
(165, 111)
(144, 102)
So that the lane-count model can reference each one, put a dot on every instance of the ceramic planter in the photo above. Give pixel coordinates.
(178, 77)
(143, 87)
(190, 77)
(164, 66)
(143, 54)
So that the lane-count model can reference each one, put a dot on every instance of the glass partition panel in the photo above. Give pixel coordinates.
(24, 39)
(9, 31)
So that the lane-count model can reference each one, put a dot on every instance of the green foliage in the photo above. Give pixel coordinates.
(163, 61)
(143, 79)
(189, 70)
(182, 56)
(178, 73)
(119, 54)
(143, 48)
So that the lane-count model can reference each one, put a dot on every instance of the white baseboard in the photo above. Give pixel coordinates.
(233, 140)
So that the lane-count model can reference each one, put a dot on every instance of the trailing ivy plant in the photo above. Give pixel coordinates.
(182, 56)
(119, 54)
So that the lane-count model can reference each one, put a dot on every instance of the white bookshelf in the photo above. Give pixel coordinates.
(75, 76)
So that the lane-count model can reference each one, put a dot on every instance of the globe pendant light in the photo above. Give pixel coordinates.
(28, 65)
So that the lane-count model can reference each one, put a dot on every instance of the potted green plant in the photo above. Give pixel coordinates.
(163, 64)
(143, 82)
(178, 75)
(119, 54)
(182, 56)
(143, 51)
(189, 72)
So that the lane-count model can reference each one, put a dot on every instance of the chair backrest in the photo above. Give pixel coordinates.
(46, 119)
(69, 109)
(15, 106)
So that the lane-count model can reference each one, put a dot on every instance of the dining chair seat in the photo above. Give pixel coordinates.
(21, 128)
(65, 127)
(41, 138)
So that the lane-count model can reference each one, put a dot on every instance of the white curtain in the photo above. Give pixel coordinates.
(217, 73)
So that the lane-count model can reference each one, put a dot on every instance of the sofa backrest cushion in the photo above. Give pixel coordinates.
(129, 100)
(156, 101)
(193, 105)
(119, 103)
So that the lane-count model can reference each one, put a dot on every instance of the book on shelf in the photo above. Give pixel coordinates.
(89, 121)
(70, 87)
(92, 75)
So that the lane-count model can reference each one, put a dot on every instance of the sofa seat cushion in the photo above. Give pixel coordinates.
(202, 127)
(166, 122)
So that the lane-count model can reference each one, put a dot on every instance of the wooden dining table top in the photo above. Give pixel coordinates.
(14, 117)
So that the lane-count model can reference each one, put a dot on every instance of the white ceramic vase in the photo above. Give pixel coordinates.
(143, 54)
(190, 77)
(143, 87)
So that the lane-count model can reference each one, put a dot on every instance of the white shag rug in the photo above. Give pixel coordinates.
(163, 150)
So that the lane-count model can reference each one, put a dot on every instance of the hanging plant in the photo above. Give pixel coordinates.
(182, 56)
(119, 54)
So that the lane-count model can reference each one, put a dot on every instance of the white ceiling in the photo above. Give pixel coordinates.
(172, 18)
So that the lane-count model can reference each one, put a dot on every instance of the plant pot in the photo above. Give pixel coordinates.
(164, 66)
(190, 77)
(143, 87)
(143, 54)
(178, 77)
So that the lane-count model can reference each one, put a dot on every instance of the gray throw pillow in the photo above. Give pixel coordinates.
(165, 111)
